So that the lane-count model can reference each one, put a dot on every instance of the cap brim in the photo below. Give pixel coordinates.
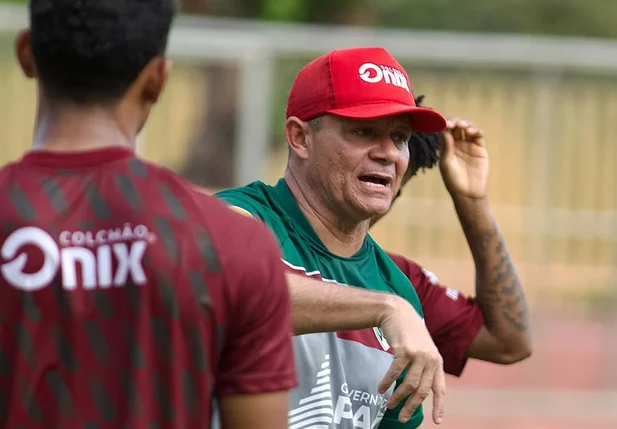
(423, 120)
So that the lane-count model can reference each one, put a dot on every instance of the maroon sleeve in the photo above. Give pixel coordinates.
(452, 319)
(258, 352)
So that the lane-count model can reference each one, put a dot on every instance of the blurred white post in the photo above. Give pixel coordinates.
(543, 133)
(254, 116)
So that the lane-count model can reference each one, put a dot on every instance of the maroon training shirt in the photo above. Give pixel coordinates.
(452, 319)
(128, 299)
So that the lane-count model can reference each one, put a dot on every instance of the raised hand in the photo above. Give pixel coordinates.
(464, 160)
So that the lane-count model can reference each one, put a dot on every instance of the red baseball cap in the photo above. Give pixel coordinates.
(358, 83)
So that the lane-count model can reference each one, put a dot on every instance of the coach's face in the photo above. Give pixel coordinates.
(356, 166)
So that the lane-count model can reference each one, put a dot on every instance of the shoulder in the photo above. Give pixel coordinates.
(231, 224)
(164, 179)
(410, 268)
(425, 283)
(402, 262)
(11, 168)
(9, 175)
(254, 189)
(258, 201)
(253, 199)
(6, 168)
(5, 172)
(226, 226)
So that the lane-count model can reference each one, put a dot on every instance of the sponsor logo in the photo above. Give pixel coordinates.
(353, 408)
(91, 259)
(372, 73)
(315, 410)
(381, 338)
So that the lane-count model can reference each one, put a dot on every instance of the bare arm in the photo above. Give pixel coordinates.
(464, 168)
(256, 368)
(326, 307)
(505, 336)
(262, 411)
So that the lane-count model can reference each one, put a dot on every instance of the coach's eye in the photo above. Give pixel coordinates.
(364, 132)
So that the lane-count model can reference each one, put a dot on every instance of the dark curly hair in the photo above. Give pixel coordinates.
(91, 51)
(423, 151)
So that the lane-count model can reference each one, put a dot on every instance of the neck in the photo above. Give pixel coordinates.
(341, 238)
(76, 128)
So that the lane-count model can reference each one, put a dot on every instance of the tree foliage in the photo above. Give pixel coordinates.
(590, 18)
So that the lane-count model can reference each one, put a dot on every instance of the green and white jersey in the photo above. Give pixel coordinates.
(338, 372)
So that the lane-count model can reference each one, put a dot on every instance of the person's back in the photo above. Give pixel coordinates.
(117, 295)
(128, 299)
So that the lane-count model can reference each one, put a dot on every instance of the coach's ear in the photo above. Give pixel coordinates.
(297, 135)
(23, 52)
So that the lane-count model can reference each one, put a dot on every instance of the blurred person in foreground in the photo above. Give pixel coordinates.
(494, 326)
(128, 299)
(350, 114)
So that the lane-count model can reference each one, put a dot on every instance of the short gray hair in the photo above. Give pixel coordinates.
(316, 123)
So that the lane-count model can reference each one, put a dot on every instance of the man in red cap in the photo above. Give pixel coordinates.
(350, 115)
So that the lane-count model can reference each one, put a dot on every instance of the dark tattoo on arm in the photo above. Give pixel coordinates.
(499, 290)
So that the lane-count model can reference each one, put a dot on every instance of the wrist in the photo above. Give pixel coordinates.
(393, 307)
(471, 207)
(388, 304)
(474, 214)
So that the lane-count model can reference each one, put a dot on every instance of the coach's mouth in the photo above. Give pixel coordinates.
(376, 180)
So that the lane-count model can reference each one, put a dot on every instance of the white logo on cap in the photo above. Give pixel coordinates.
(372, 73)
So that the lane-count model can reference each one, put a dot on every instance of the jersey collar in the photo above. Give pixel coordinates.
(290, 206)
(84, 159)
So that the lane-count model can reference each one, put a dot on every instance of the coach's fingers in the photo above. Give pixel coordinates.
(418, 395)
(463, 124)
(439, 395)
(479, 141)
(473, 133)
(463, 130)
(410, 383)
(394, 372)
(458, 133)
(451, 123)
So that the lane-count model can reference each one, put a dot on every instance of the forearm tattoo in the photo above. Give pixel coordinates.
(499, 289)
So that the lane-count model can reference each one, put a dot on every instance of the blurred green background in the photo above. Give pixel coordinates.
(589, 18)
